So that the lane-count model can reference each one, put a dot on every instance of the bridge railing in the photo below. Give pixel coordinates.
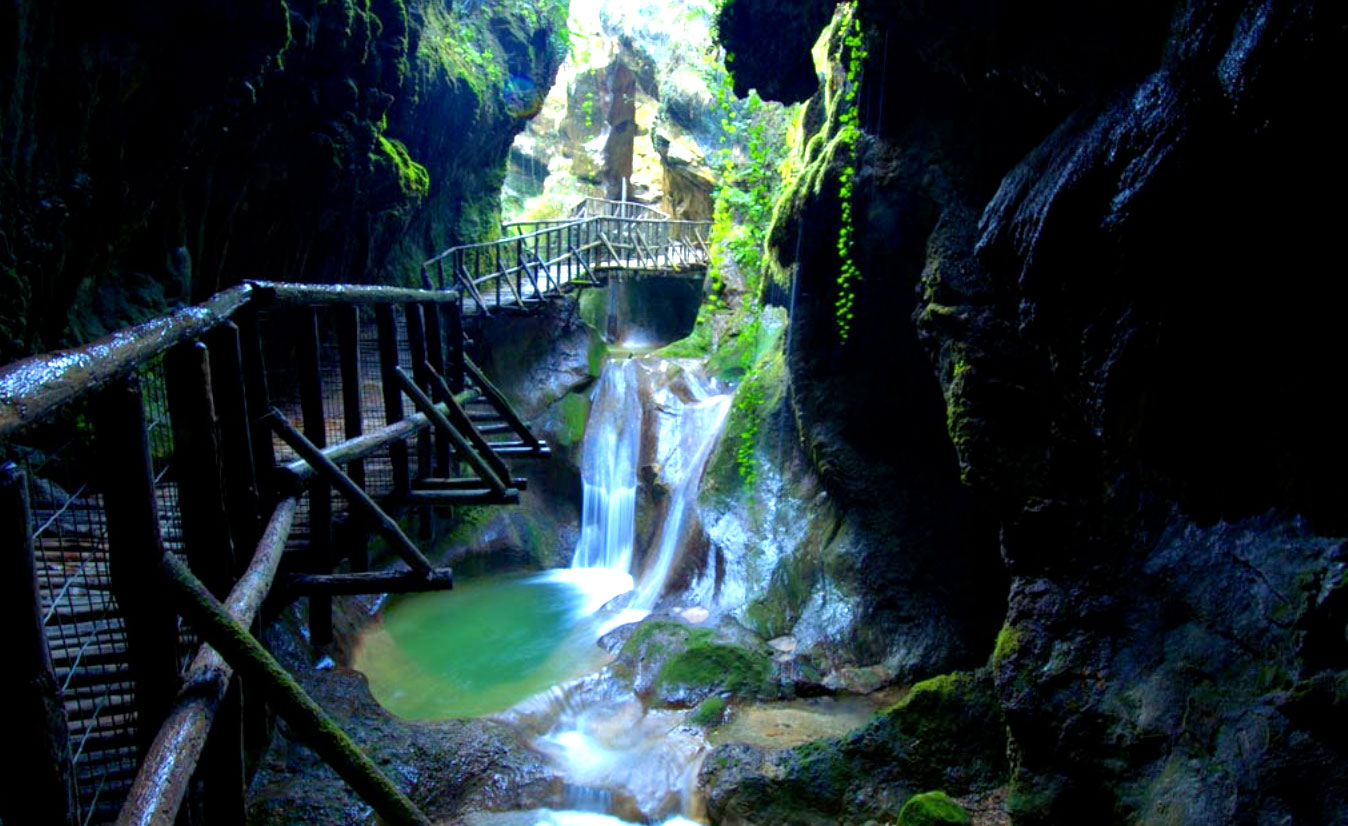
(165, 441)
(538, 259)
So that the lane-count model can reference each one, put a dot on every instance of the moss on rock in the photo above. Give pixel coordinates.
(933, 809)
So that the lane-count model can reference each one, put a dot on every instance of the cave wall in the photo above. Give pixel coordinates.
(155, 153)
(1094, 250)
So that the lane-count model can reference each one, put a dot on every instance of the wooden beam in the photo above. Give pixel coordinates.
(228, 385)
(319, 551)
(309, 295)
(306, 719)
(358, 498)
(135, 551)
(517, 448)
(354, 544)
(164, 776)
(393, 397)
(41, 778)
(370, 582)
(466, 483)
(34, 388)
(464, 497)
(498, 400)
(462, 447)
(458, 418)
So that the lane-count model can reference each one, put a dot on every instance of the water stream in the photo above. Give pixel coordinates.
(523, 647)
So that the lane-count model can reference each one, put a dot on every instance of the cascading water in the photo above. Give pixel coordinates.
(609, 471)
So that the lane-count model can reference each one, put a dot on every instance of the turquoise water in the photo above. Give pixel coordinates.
(489, 643)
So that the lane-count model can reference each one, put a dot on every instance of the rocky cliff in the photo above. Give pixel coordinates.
(1082, 266)
(157, 152)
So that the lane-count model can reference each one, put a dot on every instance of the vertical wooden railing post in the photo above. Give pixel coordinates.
(320, 492)
(40, 778)
(435, 354)
(136, 553)
(393, 395)
(259, 401)
(454, 337)
(416, 346)
(348, 350)
(228, 384)
(208, 541)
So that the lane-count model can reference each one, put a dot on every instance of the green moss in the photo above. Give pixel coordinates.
(575, 413)
(932, 809)
(1008, 640)
(710, 713)
(717, 667)
(412, 176)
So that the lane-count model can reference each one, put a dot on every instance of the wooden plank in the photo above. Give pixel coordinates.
(255, 389)
(541, 450)
(371, 582)
(306, 719)
(435, 356)
(354, 545)
(228, 385)
(358, 498)
(41, 778)
(416, 349)
(132, 513)
(163, 779)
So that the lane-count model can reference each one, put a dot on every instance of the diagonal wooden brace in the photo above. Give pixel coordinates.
(358, 498)
(499, 401)
(480, 466)
(459, 418)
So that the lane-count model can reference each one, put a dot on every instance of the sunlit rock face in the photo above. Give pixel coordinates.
(631, 112)
(160, 154)
(1080, 207)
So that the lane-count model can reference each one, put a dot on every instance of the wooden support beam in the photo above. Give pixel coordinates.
(393, 397)
(349, 295)
(135, 552)
(454, 336)
(466, 483)
(458, 418)
(371, 582)
(461, 445)
(354, 544)
(319, 552)
(358, 498)
(498, 400)
(163, 780)
(416, 349)
(306, 719)
(464, 497)
(461, 273)
(41, 778)
(228, 385)
(517, 448)
(255, 389)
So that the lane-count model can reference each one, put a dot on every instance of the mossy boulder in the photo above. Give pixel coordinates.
(678, 665)
(947, 733)
(933, 809)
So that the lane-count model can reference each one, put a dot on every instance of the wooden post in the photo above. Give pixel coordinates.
(210, 552)
(459, 418)
(136, 552)
(393, 396)
(454, 333)
(255, 390)
(435, 355)
(464, 449)
(416, 347)
(228, 383)
(307, 720)
(320, 493)
(354, 542)
(40, 778)
(358, 498)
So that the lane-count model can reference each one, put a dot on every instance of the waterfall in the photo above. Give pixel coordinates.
(609, 471)
(688, 425)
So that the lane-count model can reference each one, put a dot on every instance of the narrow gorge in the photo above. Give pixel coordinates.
(696, 413)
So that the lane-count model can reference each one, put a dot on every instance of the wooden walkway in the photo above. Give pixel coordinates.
(537, 260)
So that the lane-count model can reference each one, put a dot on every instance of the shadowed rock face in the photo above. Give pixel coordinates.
(1107, 224)
(158, 152)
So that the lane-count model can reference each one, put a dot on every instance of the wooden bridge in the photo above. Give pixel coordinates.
(535, 260)
(159, 484)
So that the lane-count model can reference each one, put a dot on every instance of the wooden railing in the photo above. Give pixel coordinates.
(537, 260)
(164, 472)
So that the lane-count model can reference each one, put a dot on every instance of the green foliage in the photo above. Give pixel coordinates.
(412, 176)
(933, 809)
(848, 135)
(710, 714)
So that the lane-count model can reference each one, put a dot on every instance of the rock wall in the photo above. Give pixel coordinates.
(155, 153)
(1105, 223)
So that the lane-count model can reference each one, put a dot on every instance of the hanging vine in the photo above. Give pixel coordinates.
(848, 135)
